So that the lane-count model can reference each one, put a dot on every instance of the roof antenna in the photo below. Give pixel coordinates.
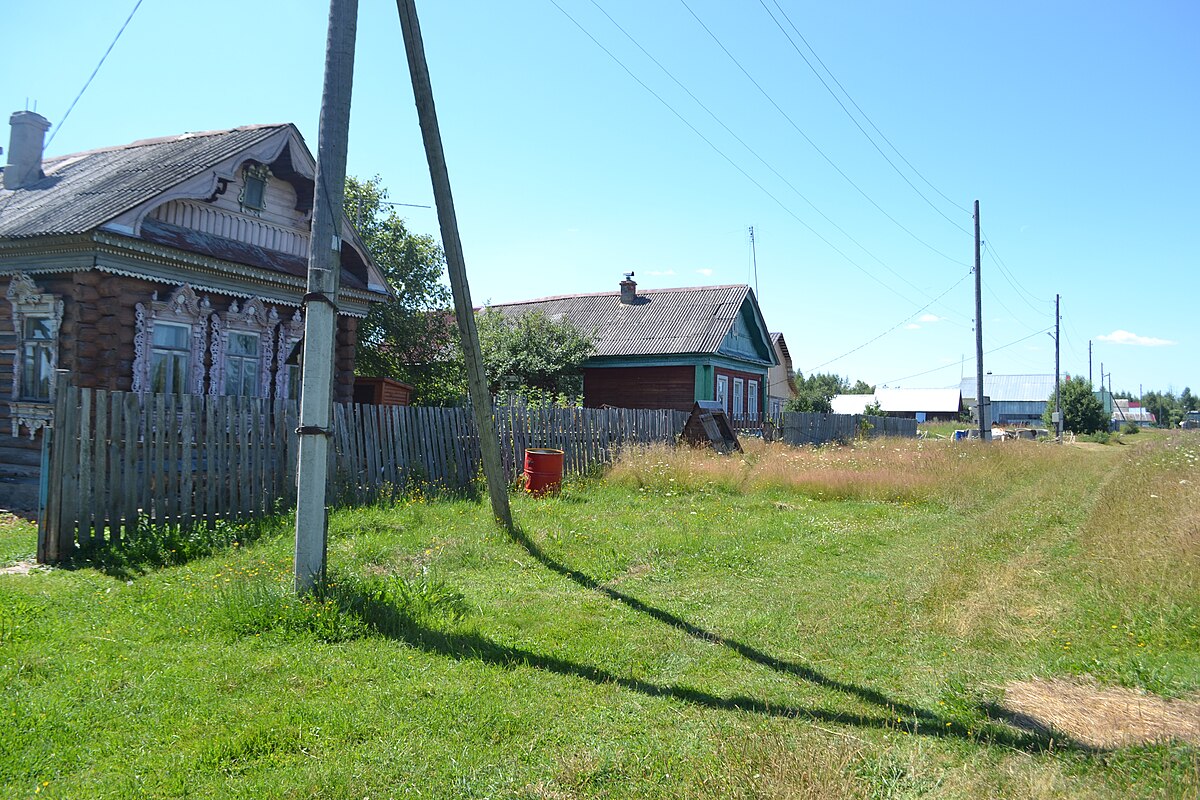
(754, 257)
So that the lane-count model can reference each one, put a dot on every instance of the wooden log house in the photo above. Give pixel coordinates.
(174, 265)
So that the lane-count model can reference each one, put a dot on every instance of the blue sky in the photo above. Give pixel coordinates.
(1074, 125)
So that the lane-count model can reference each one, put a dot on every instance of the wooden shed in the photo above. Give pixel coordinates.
(382, 392)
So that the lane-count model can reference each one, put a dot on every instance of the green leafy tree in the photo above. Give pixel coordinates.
(875, 410)
(861, 387)
(1082, 410)
(813, 394)
(1188, 401)
(532, 354)
(411, 337)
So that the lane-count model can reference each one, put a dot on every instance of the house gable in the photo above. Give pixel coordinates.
(748, 337)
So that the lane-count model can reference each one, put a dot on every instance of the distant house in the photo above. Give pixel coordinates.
(1131, 411)
(1015, 399)
(173, 265)
(668, 348)
(923, 405)
(781, 378)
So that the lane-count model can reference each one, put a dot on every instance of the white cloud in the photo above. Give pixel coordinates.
(1125, 337)
(705, 272)
(930, 318)
(912, 326)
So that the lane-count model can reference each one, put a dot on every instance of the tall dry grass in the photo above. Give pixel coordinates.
(876, 469)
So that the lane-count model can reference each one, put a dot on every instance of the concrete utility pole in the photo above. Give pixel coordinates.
(1057, 382)
(320, 303)
(1090, 363)
(481, 400)
(985, 430)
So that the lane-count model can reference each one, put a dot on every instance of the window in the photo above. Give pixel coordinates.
(254, 187)
(723, 392)
(170, 352)
(752, 399)
(242, 376)
(37, 358)
(738, 396)
(170, 343)
(36, 317)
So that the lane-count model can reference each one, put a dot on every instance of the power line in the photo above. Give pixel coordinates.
(722, 154)
(894, 327)
(963, 361)
(70, 108)
(814, 145)
(833, 94)
(743, 143)
(864, 114)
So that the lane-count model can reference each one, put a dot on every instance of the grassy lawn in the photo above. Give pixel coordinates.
(833, 622)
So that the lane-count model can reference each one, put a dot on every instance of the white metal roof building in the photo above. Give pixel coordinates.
(920, 404)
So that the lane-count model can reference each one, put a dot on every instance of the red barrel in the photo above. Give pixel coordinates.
(543, 470)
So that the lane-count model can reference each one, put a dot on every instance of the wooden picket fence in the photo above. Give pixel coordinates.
(119, 460)
(801, 428)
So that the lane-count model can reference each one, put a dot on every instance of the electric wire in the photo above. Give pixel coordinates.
(995, 256)
(751, 150)
(857, 124)
(104, 57)
(864, 114)
(889, 330)
(814, 145)
(722, 154)
(963, 361)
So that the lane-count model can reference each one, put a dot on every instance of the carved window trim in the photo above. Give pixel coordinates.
(290, 334)
(183, 307)
(28, 301)
(260, 174)
(256, 318)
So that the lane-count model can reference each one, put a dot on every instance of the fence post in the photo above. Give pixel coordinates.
(50, 539)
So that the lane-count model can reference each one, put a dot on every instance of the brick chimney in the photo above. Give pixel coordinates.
(25, 144)
(628, 290)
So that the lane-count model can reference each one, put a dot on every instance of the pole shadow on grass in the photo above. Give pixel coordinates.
(394, 622)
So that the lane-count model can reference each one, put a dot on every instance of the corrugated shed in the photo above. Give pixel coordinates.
(661, 322)
(901, 401)
(1011, 388)
(83, 191)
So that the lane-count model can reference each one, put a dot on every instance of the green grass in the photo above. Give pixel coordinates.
(689, 626)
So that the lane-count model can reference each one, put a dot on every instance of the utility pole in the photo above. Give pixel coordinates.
(1090, 363)
(320, 303)
(985, 430)
(481, 400)
(1057, 382)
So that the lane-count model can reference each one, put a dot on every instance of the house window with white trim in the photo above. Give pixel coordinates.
(739, 386)
(752, 399)
(170, 357)
(170, 343)
(38, 343)
(723, 392)
(243, 373)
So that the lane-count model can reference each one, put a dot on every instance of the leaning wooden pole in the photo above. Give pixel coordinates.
(481, 400)
(320, 303)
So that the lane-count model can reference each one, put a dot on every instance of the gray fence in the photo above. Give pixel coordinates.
(799, 428)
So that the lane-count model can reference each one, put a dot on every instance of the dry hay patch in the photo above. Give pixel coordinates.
(1101, 717)
(22, 568)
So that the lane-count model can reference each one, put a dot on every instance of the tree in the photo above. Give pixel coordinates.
(874, 409)
(412, 336)
(814, 392)
(861, 387)
(533, 353)
(1082, 410)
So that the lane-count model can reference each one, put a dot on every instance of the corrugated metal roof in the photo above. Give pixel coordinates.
(900, 401)
(661, 322)
(82, 191)
(1015, 388)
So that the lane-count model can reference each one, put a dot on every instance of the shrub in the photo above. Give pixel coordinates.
(1130, 428)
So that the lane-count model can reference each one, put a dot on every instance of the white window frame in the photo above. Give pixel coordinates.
(752, 399)
(739, 396)
(723, 392)
(183, 307)
(252, 318)
(290, 334)
(29, 302)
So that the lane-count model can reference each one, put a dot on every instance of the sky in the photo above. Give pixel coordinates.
(589, 138)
